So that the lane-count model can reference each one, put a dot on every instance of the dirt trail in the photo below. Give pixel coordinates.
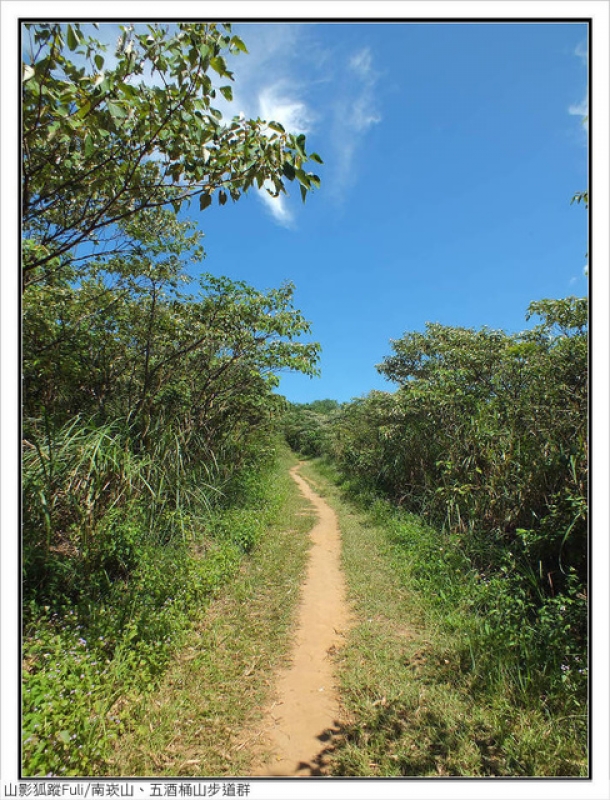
(300, 724)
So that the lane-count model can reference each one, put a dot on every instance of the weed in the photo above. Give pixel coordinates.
(199, 720)
(88, 658)
(447, 672)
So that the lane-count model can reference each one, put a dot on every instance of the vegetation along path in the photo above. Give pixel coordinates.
(334, 652)
(303, 716)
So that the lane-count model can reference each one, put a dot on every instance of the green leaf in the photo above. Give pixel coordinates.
(91, 106)
(219, 65)
(83, 110)
(64, 736)
(237, 43)
(303, 178)
(129, 90)
(89, 146)
(117, 111)
(303, 192)
(52, 129)
(72, 39)
(315, 157)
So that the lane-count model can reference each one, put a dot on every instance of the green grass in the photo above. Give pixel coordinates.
(416, 701)
(170, 675)
(91, 667)
(200, 719)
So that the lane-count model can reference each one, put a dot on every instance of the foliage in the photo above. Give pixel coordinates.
(306, 426)
(486, 436)
(85, 660)
(582, 197)
(447, 672)
(134, 387)
(108, 136)
(173, 394)
(209, 701)
(148, 410)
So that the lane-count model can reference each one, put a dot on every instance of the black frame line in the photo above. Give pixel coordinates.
(315, 20)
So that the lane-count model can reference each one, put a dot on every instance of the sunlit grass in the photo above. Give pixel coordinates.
(416, 701)
(201, 720)
(92, 667)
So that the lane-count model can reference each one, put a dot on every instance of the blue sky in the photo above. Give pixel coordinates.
(451, 150)
(451, 153)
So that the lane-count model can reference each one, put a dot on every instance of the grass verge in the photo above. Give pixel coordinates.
(196, 723)
(415, 702)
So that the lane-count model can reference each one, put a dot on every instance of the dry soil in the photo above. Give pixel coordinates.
(300, 724)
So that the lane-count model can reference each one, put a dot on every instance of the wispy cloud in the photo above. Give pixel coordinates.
(364, 112)
(579, 278)
(355, 113)
(277, 206)
(280, 102)
(302, 80)
(267, 86)
(581, 109)
(582, 52)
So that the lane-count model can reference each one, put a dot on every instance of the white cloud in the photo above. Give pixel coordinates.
(355, 112)
(280, 103)
(578, 278)
(277, 206)
(362, 62)
(294, 77)
(364, 114)
(275, 50)
(582, 52)
(582, 109)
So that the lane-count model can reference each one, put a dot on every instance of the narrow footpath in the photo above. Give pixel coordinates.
(300, 723)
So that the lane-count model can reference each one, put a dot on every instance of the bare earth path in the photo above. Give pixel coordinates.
(301, 721)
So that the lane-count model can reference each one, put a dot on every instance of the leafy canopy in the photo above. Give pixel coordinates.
(107, 138)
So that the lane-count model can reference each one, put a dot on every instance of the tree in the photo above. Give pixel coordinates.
(116, 349)
(486, 434)
(105, 139)
(306, 426)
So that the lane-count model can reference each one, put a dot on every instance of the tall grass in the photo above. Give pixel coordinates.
(450, 671)
(93, 497)
(122, 546)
